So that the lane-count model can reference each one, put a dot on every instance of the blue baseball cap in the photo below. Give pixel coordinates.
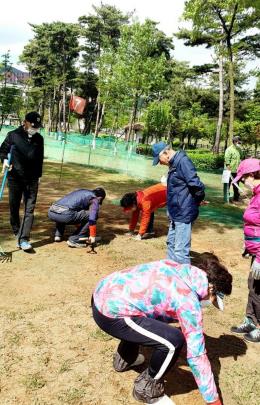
(157, 148)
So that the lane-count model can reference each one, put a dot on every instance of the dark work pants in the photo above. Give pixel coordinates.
(17, 190)
(253, 303)
(150, 225)
(166, 340)
(235, 189)
(70, 217)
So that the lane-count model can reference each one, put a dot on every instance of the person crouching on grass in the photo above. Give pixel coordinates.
(145, 201)
(81, 208)
(135, 306)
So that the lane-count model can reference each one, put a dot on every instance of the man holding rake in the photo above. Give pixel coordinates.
(26, 146)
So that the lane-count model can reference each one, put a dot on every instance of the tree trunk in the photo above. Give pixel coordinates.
(228, 34)
(43, 105)
(97, 118)
(64, 108)
(59, 109)
(220, 105)
(231, 101)
(100, 122)
(132, 119)
(52, 103)
(97, 127)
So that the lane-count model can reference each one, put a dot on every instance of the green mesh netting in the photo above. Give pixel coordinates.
(111, 155)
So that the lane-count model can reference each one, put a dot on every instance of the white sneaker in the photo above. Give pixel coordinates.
(165, 400)
(57, 238)
(140, 360)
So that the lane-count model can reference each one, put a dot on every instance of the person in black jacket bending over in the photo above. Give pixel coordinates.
(26, 146)
(185, 192)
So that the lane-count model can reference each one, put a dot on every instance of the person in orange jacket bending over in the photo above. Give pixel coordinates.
(145, 201)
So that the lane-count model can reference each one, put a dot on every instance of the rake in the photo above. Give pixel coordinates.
(4, 256)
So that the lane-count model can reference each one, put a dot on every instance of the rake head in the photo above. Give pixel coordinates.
(5, 257)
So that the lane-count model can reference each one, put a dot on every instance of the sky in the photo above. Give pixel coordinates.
(15, 31)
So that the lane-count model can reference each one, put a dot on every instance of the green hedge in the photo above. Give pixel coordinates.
(206, 161)
(203, 159)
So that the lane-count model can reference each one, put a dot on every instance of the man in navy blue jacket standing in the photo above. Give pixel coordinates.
(185, 192)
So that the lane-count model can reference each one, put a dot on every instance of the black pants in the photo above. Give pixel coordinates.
(150, 225)
(70, 217)
(253, 303)
(235, 189)
(28, 190)
(166, 340)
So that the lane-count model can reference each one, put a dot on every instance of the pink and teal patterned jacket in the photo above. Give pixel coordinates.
(166, 291)
(252, 224)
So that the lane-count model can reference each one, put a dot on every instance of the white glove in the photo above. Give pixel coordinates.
(255, 268)
(164, 180)
(6, 166)
(138, 237)
(129, 233)
(92, 239)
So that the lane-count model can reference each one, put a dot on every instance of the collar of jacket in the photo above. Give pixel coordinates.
(176, 158)
(139, 198)
(22, 132)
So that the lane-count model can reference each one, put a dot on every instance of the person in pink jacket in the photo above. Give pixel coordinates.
(249, 172)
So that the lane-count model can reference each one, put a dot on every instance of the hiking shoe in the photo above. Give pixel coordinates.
(121, 365)
(57, 238)
(253, 336)
(148, 390)
(246, 327)
(25, 245)
(148, 235)
(165, 400)
(75, 244)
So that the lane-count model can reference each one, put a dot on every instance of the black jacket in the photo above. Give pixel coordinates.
(185, 191)
(27, 154)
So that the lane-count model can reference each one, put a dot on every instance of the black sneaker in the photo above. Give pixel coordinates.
(246, 327)
(253, 336)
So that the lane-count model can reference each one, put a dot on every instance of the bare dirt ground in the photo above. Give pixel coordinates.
(51, 350)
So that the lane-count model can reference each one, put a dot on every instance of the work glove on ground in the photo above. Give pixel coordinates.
(255, 268)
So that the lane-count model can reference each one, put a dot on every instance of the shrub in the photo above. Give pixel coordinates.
(206, 160)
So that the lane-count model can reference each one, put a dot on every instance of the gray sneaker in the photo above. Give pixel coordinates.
(253, 336)
(147, 389)
(75, 244)
(246, 327)
(120, 365)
